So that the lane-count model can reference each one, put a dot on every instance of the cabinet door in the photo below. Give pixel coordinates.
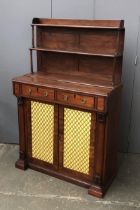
(42, 133)
(76, 132)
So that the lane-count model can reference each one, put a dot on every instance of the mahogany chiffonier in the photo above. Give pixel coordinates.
(69, 106)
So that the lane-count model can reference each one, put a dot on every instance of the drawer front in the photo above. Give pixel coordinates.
(85, 101)
(76, 99)
(65, 97)
(68, 98)
(37, 92)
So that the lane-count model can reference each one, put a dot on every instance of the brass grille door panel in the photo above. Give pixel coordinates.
(42, 131)
(77, 126)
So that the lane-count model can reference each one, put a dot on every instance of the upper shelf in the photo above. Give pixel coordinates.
(70, 23)
(92, 48)
(76, 52)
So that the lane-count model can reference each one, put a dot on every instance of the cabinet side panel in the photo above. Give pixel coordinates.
(112, 135)
(117, 70)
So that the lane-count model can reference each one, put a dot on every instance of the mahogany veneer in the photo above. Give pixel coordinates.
(77, 85)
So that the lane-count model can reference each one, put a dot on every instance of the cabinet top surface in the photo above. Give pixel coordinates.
(65, 82)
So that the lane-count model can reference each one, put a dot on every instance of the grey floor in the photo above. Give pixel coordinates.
(31, 190)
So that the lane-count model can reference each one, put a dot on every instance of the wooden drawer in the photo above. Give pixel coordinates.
(75, 99)
(65, 97)
(86, 101)
(37, 92)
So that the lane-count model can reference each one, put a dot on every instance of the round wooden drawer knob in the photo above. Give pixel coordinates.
(46, 93)
(83, 101)
(65, 98)
(30, 91)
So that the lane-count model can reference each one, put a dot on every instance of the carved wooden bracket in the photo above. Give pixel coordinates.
(101, 117)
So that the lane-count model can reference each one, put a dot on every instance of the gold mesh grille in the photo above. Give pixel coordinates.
(77, 140)
(42, 118)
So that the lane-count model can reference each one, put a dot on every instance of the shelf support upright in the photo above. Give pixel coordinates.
(33, 40)
(31, 60)
(33, 46)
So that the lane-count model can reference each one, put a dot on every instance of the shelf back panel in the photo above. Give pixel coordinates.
(95, 41)
(80, 65)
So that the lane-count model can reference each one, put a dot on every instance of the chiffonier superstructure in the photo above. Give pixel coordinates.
(69, 104)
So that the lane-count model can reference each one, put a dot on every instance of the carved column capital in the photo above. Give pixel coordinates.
(20, 100)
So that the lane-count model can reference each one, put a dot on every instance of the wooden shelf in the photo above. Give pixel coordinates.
(72, 26)
(75, 52)
(95, 24)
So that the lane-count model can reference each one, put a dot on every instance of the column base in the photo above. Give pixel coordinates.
(21, 164)
(96, 191)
